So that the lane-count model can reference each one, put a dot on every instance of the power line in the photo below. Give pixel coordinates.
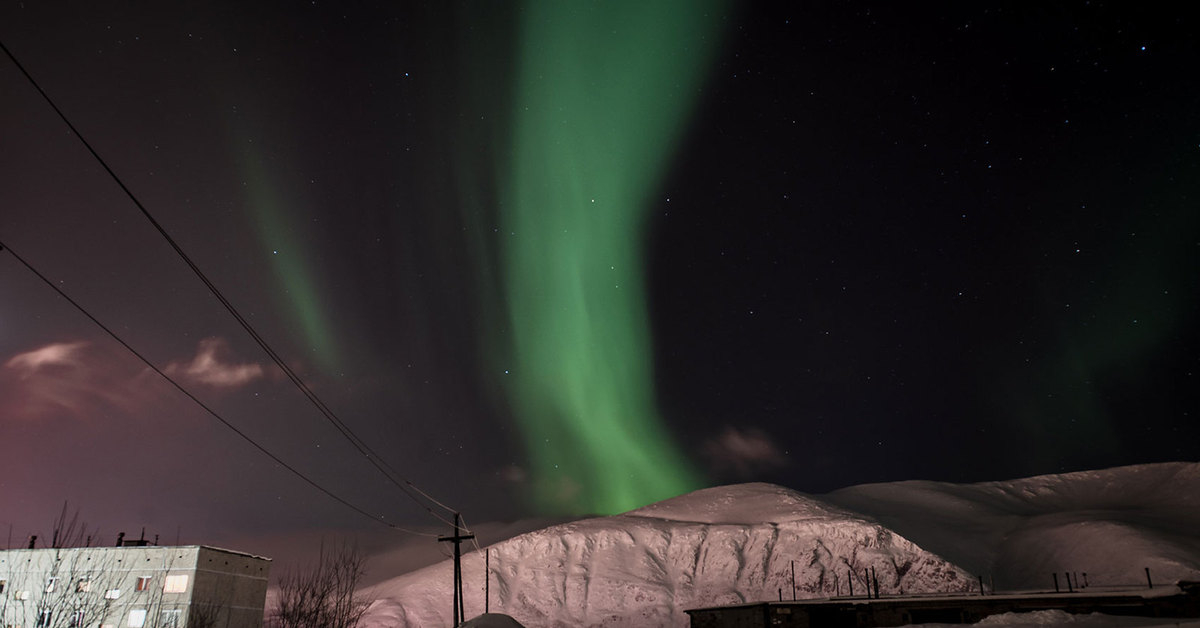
(196, 400)
(404, 484)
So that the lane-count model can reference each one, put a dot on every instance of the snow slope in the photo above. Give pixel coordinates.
(1111, 523)
(738, 543)
(643, 568)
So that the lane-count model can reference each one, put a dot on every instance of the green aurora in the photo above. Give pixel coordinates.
(276, 230)
(602, 96)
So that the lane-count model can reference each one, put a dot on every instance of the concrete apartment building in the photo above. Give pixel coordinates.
(132, 587)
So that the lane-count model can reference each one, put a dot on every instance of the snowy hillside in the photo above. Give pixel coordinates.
(1110, 524)
(738, 543)
(643, 568)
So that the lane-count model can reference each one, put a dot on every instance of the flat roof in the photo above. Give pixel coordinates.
(1108, 594)
(133, 548)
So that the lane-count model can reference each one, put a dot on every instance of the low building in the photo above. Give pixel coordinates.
(1181, 600)
(132, 587)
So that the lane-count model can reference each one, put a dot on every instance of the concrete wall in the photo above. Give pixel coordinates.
(113, 586)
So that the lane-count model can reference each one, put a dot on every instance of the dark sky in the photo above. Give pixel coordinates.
(955, 242)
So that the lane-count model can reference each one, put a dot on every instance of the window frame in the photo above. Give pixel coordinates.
(172, 583)
(175, 621)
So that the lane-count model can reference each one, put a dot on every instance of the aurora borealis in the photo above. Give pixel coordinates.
(290, 264)
(604, 91)
(550, 258)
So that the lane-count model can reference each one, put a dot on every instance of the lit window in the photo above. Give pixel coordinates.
(112, 594)
(83, 586)
(21, 595)
(137, 618)
(51, 584)
(176, 584)
(143, 583)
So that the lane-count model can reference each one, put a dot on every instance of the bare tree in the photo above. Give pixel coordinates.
(65, 589)
(70, 588)
(75, 584)
(325, 594)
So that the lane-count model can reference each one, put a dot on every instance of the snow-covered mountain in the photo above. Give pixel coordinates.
(1111, 524)
(739, 543)
(643, 568)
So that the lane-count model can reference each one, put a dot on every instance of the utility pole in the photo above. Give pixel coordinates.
(457, 538)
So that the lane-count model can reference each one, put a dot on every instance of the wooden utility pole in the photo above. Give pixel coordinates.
(457, 538)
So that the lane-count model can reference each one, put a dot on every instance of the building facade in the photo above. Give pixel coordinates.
(132, 587)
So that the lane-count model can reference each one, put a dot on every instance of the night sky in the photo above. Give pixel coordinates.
(551, 259)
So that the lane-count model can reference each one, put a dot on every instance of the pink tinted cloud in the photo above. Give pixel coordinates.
(82, 379)
(210, 367)
(744, 452)
(64, 354)
(76, 378)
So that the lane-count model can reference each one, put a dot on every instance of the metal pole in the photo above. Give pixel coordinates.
(462, 613)
(793, 581)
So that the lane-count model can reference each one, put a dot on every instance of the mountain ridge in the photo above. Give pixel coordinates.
(741, 543)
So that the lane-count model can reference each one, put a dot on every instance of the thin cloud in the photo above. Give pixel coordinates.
(744, 453)
(74, 378)
(58, 354)
(210, 368)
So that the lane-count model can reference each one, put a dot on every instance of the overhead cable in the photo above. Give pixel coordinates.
(205, 407)
(405, 485)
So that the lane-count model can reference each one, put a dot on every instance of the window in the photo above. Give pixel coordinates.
(169, 619)
(51, 584)
(83, 586)
(143, 583)
(21, 595)
(112, 594)
(137, 618)
(176, 584)
(77, 619)
(43, 619)
(3, 583)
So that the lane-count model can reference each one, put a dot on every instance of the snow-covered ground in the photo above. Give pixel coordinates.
(740, 543)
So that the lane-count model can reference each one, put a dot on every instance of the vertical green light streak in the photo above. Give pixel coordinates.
(603, 93)
(288, 260)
